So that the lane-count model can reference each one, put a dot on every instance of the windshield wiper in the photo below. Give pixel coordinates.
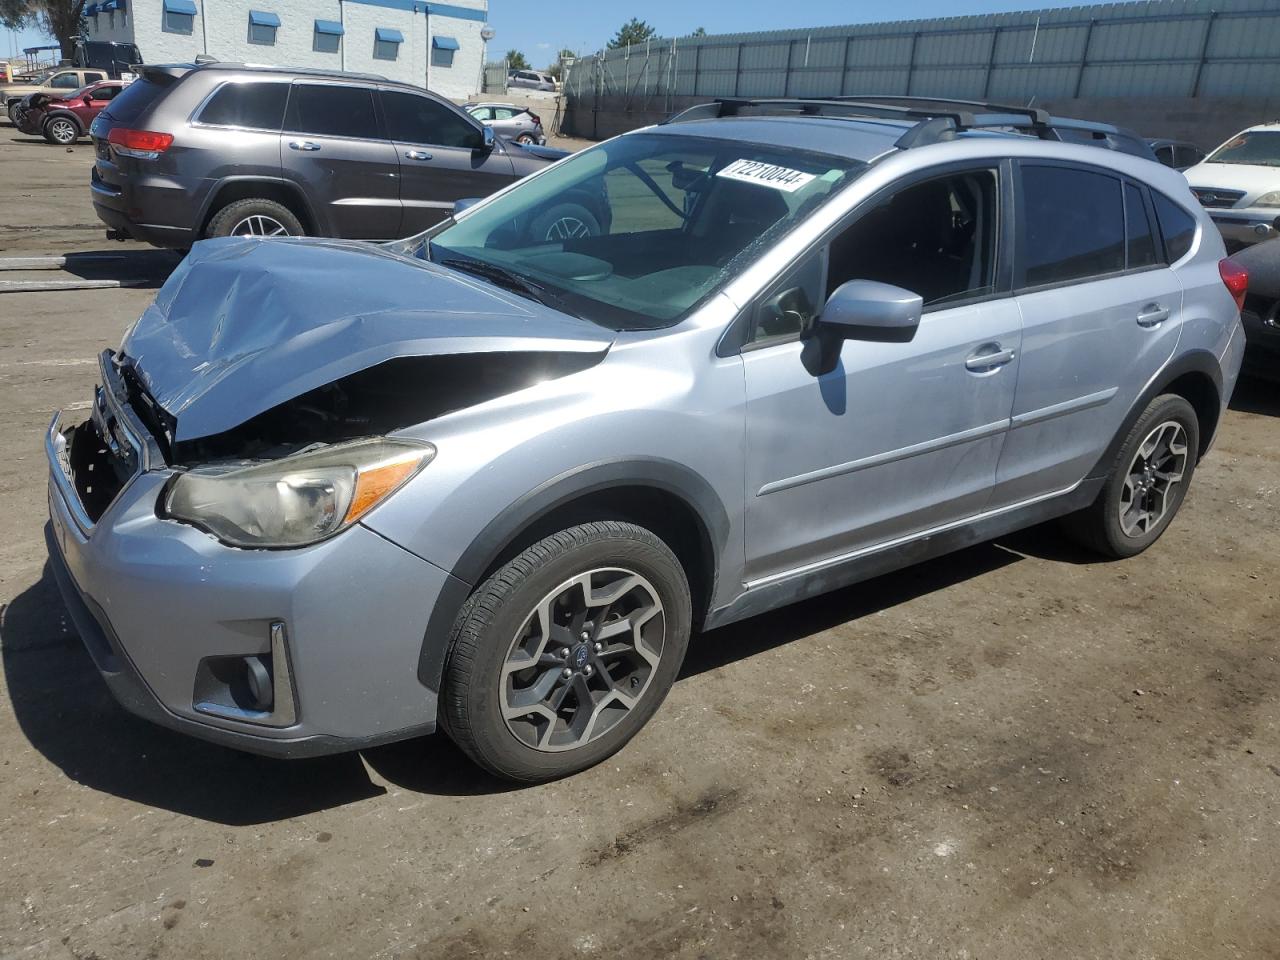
(503, 277)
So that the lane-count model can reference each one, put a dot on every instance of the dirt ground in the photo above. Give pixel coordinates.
(1012, 752)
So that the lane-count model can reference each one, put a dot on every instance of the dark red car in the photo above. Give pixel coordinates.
(63, 120)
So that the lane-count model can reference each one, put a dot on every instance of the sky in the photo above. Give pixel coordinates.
(540, 28)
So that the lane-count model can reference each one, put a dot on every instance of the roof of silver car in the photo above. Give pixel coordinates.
(867, 127)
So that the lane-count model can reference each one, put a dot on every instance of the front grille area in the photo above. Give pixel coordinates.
(99, 471)
(1215, 197)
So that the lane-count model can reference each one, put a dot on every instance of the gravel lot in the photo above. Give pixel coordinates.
(1012, 752)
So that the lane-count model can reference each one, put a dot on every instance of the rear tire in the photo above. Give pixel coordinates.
(255, 217)
(527, 139)
(566, 651)
(1147, 482)
(14, 109)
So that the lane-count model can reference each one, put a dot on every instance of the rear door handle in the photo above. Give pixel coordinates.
(991, 360)
(306, 145)
(417, 155)
(1152, 315)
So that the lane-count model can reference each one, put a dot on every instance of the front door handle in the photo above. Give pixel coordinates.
(989, 361)
(1152, 315)
(417, 155)
(306, 145)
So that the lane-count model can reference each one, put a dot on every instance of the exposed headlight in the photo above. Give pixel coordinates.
(1271, 199)
(296, 500)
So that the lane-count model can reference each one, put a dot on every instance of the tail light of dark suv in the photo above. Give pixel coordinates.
(141, 144)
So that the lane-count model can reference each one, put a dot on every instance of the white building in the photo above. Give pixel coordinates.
(437, 45)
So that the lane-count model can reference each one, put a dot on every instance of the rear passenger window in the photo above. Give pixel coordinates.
(1176, 225)
(1073, 225)
(1139, 238)
(256, 105)
(328, 110)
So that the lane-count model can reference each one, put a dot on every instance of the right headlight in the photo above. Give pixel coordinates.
(296, 500)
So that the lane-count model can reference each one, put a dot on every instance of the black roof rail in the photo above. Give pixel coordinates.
(938, 118)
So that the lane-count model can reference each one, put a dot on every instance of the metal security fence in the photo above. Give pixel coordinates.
(1163, 48)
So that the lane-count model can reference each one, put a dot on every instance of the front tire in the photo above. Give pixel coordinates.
(1147, 483)
(566, 651)
(255, 217)
(61, 131)
(14, 111)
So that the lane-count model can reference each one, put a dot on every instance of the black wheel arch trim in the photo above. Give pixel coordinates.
(67, 115)
(663, 475)
(208, 211)
(1198, 361)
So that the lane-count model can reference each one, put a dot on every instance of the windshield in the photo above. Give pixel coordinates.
(634, 233)
(1257, 147)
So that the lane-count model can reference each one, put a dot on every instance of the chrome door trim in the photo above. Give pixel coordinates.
(1065, 407)
(889, 456)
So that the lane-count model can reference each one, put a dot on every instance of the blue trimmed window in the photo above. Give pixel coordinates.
(328, 36)
(179, 16)
(386, 43)
(263, 27)
(442, 51)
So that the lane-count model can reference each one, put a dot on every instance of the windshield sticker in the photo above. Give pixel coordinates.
(766, 175)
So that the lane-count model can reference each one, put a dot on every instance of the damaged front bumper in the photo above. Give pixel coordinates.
(171, 617)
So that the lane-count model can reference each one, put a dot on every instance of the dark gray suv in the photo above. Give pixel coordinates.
(217, 149)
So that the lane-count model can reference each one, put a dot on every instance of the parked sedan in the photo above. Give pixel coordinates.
(531, 80)
(1261, 313)
(1178, 154)
(64, 120)
(515, 123)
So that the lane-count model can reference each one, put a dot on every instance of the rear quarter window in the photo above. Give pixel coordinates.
(1176, 226)
(259, 106)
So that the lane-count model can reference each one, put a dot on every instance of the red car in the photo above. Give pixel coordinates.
(63, 120)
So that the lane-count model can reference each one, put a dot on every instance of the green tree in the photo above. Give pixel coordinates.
(516, 61)
(61, 19)
(633, 31)
(554, 69)
(700, 32)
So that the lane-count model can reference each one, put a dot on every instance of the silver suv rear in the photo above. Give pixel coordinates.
(333, 494)
(189, 152)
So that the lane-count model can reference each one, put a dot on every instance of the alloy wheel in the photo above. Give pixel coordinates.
(567, 228)
(1153, 478)
(63, 131)
(583, 659)
(259, 225)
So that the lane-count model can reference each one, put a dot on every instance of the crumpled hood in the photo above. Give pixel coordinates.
(246, 324)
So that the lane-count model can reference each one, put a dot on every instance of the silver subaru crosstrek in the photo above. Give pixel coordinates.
(334, 494)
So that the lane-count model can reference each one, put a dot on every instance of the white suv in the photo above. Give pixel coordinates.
(1239, 183)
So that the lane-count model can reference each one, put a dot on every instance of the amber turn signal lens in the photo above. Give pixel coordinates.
(376, 483)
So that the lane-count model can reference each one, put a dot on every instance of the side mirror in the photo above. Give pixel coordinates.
(863, 310)
(461, 205)
(88, 98)
(489, 138)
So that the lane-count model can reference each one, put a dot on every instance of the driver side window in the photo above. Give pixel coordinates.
(936, 238)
